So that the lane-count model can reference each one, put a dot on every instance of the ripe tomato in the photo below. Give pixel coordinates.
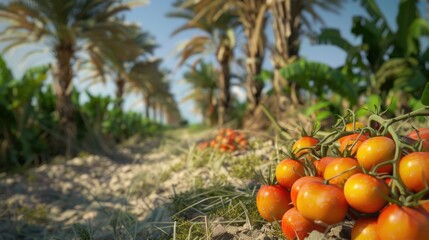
(424, 136)
(272, 202)
(352, 127)
(299, 183)
(376, 150)
(352, 143)
(366, 193)
(320, 202)
(243, 143)
(340, 169)
(399, 222)
(299, 148)
(365, 228)
(295, 226)
(414, 170)
(203, 145)
(288, 171)
(321, 164)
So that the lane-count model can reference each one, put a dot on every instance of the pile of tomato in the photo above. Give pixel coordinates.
(368, 174)
(227, 140)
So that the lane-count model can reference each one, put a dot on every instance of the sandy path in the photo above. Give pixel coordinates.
(92, 190)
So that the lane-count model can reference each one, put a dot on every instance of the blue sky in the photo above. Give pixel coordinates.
(152, 18)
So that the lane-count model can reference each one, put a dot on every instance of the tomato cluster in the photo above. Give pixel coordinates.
(373, 176)
(227, 140)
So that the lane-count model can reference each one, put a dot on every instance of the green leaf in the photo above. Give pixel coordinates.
(316, 107)
(323, 115)
(265, 76)
(425, 95)
(407, 14)
(316, 77)
(333, 36)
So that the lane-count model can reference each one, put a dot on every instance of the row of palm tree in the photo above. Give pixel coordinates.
(89, 33)
(221, 23)
(386, 63)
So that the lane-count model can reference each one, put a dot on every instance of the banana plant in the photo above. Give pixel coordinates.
(386, 63)
(21, 136)
(391, 60)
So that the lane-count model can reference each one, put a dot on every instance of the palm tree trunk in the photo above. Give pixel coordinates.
(286, 25)
(211, 110)
(156, 110)
(253, 86)
(224, 86)
(120, 84)
(255, 54)
(282, 31)
(62, 83)
(294, 44)
(162, 110)
(146, 100)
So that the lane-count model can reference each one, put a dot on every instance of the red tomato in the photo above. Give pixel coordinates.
(294, 225)
(243, 143)
(321, 164)
(272, 202)
(414, 170)
(299, 183)
(424, 136)
(376, 150)
(365, 228)
(366, 193)
(351, 143)
(299, 148)
(288, 171)
(340, 169)
(398, 222)
(320, 202)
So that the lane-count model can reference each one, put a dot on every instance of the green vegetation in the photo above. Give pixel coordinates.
(31, 131)
(44, 123)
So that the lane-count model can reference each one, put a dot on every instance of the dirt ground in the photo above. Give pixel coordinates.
(112, 197)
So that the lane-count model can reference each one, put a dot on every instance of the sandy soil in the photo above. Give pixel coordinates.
(115, 197)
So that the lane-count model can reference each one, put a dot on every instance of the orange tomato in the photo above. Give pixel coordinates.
(423, 135)
(272, 201)
(295, 226)
(414, 170)
(302, 145)
(399, 222)
(299, 183)
(321, 164)
(365, 228)
(351, 143)
(353, 127)
(340, 169)
(319, 202)
(288, 171)
(366, 193)
(374, 151)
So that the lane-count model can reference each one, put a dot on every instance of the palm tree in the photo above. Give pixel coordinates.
(217, 37)
(118, 64)
(145, 76)
(202, 78)
(289, 21)
(252, 16)
(66, 28)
